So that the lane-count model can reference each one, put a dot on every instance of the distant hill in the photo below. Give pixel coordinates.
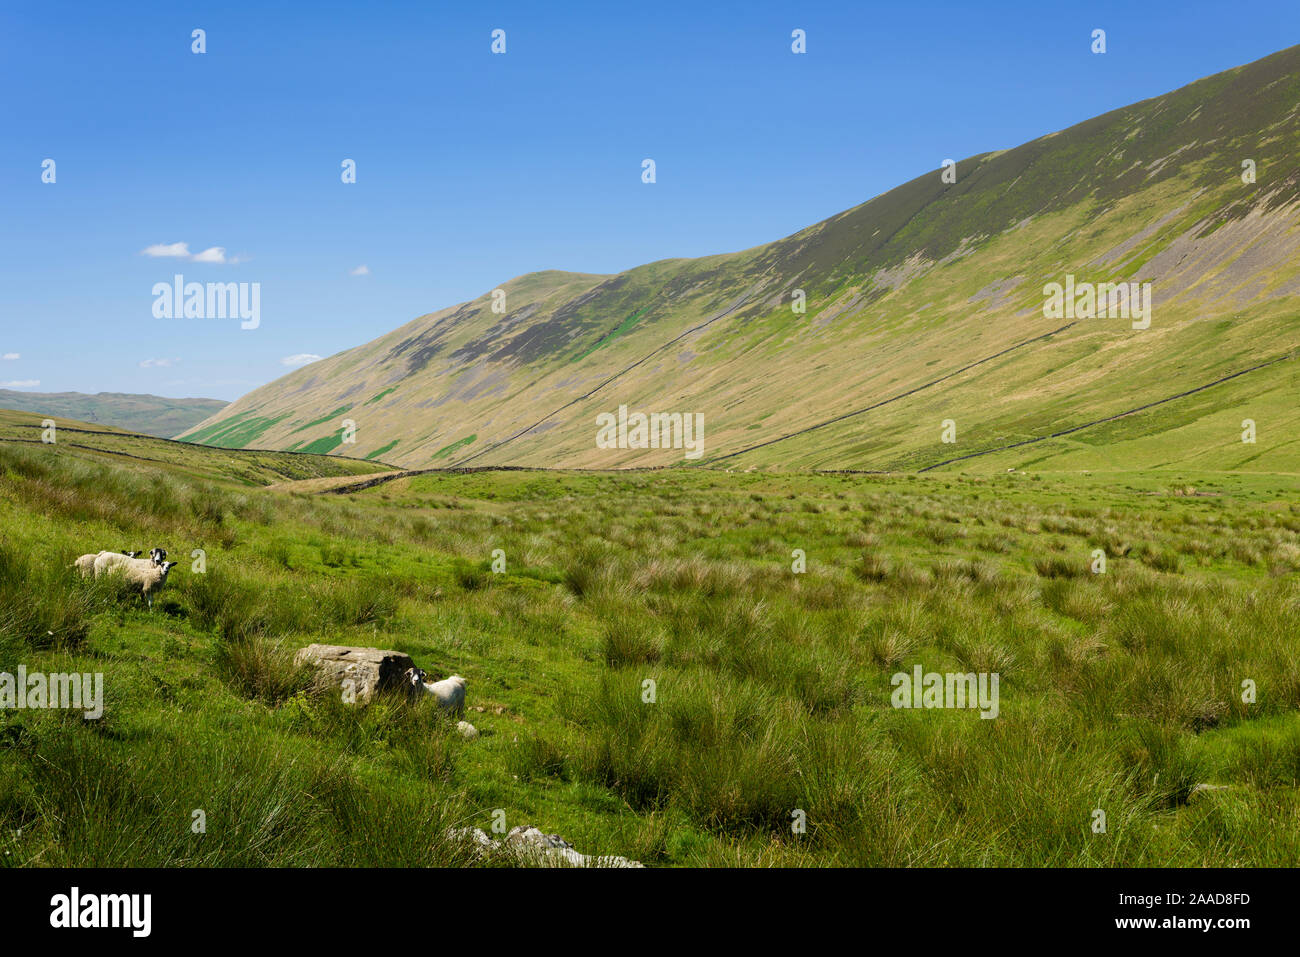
(147, 414)
(91, 440)
(928, 338)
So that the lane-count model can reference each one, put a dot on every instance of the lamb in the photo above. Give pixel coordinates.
(86, 563)
(450, 692)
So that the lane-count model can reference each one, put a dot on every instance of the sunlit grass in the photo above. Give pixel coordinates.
(655, 678)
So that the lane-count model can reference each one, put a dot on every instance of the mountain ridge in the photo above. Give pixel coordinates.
(925, 278)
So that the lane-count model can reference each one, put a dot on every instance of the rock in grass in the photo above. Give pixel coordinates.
(529, 845)
(467, 730)
(370, 669)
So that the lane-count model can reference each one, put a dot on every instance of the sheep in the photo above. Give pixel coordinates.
(143, 573)
(107, 561)
(450, 692)
(86, 563)
(413, 678)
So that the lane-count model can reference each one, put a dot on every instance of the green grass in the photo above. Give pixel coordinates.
(1119, 691)
(325, 444)
(324, 418)
(238, 431)
(618, 332)
(447, 450)
(382, 450)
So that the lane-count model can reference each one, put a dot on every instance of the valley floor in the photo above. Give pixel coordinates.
(680, 667)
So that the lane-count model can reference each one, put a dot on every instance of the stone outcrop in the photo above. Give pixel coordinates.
(370, 669)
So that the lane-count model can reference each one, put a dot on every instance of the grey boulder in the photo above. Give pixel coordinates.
(369, 669)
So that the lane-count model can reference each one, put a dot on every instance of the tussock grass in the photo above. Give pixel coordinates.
(1119, 691)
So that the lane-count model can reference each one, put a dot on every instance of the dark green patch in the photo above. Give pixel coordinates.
(446, 450)
(325, 444)
(324, 418)
(383, 449)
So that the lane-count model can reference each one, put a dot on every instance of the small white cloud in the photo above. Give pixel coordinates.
(362, 270)
(10, 356)
(301, 359)
(167, 250)
(158, 363)
(213, 254)
(20, 384)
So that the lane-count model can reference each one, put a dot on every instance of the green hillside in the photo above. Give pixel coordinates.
(96, 443)
(148, 414)
(924, 305)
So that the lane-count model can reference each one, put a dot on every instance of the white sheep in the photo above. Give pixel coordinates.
(450, 692)
(143, 573)
(106, 561)
(86, 563)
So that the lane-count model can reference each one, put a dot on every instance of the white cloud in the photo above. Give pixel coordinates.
(301, 359)
(20, 384)
(10, 356)
(362, 270)
(158, 363)
(213, 254)
(172, 250)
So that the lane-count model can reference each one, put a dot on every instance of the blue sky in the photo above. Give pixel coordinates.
(472, 167)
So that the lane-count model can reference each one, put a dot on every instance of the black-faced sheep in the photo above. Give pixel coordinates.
(106, 561)
(146, 574)
(450, 692)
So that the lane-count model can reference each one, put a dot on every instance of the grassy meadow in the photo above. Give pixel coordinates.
(1120, 691)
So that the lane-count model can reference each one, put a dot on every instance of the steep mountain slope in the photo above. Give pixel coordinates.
(149, 414)
(924, 342)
